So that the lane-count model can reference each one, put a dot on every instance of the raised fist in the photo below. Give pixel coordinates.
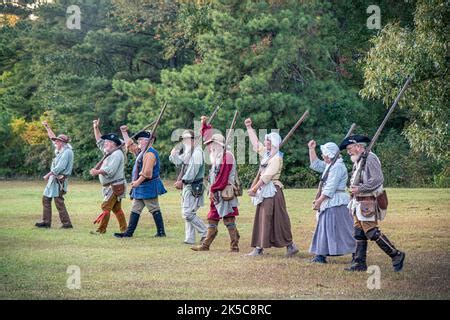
(312, 144)
(96, 123)
(203, 119)
(45, 123)
(248, 122)
(124, 128)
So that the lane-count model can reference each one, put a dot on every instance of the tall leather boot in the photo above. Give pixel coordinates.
(46, 213)
(134, 219)
(359, 257)
(210, 236)
(397, 256)
(159, 222)
(233, 232)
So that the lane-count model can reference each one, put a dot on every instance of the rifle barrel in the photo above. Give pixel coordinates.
(233, 123)
(213, 115)
(143, 129)
(291, 132)
(350, 131)
(386, 118)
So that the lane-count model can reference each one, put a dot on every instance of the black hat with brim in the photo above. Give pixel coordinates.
(112, 137)
(353, 139)
(143, 134)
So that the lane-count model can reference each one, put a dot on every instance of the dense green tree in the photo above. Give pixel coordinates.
(271, 60)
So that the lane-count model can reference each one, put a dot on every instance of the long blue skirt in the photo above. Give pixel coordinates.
(334, 233)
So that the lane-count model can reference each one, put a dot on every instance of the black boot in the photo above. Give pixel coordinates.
(159, 222)
(42, 225)
(134, 219)
(359, 257)
(359, 261)
(397, 256)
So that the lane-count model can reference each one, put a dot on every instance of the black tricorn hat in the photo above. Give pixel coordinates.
(143, 134)
(357, 138)
(112, 137)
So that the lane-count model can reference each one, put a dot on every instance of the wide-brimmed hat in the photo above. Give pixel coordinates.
(112, 137)
(217, 138)
(62, 138)
(357, 138)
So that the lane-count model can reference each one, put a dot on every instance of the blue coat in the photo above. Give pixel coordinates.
(149, 189)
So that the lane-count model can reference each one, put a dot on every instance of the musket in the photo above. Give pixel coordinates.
(324, 178)
(152, 133)
(213, 115)
(230, 131)
(143, 129)
(363, 157)
(291, 132)
(283, 142)
(99, 164)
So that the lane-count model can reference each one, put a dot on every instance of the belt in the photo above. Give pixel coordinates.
(112, 182)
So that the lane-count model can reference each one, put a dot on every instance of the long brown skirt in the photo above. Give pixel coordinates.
(272, 226)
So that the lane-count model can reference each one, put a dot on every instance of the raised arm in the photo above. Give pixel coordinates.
(312, 151)
(252, 134)
(50, 132)
(124, 131)
(315, 163)
(97, 133)
(206, 130)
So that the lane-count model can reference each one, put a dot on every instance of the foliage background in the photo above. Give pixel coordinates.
(271, 60)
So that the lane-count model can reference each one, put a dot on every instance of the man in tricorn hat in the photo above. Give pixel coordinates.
(364, 204)
(191, 183)
(146, 183)
(112, 178)
(56, 179)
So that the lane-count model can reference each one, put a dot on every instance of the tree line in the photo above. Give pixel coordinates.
(271, 60)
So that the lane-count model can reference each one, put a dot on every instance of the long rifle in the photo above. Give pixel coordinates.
(230, 131)
(357, 175)
(208, 122)
(99, 164)
(214, 114)
(324, 178)
(152, 133)
(283, 142)
(143, 129)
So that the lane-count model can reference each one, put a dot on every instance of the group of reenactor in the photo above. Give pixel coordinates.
(345, 222)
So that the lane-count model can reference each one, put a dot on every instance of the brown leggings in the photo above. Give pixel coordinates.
(60, 206)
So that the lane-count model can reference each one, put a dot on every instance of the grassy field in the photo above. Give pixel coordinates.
(34, 262)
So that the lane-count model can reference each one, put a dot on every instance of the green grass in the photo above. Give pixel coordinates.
(33, 262)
